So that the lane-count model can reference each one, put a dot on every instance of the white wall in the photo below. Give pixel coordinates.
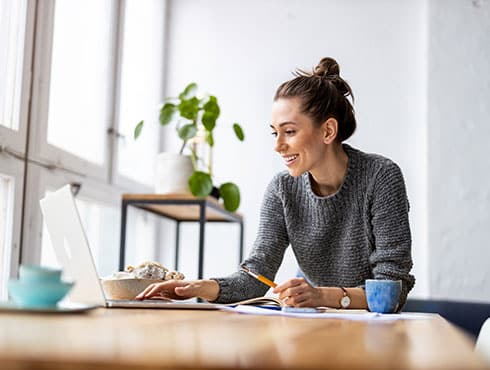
(459, 162)
(241, 51)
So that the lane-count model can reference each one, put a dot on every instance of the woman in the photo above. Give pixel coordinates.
(344, 212)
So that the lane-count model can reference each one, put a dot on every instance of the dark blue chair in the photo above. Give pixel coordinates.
(468, 316)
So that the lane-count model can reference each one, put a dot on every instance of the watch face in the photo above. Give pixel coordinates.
(345, 301)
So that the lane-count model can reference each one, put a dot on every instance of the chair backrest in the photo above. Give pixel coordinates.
(469, 316)
(483, 341)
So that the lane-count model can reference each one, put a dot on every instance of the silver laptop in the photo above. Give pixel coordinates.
(73, 254)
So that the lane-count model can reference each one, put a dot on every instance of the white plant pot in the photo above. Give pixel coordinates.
(172, 172)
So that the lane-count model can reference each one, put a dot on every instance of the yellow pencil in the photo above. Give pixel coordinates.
(259, 277)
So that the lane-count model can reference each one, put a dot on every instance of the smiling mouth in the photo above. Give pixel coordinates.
(290, 159)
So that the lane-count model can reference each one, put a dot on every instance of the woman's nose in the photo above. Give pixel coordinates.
(279, 145)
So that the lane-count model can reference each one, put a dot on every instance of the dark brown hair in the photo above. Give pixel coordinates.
(324, 94)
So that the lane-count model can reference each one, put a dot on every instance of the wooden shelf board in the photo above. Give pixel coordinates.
(182, 212)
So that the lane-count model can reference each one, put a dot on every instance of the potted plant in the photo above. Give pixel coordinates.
(195, 120)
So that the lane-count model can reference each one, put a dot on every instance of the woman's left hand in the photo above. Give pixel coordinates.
(297, 292)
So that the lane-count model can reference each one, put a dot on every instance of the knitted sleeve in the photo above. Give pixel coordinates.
(391, 257)
(267, 254)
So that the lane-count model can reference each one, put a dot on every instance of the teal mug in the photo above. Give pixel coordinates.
(38, 274)
(38, 287)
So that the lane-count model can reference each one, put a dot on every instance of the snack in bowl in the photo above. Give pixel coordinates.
(127, 284)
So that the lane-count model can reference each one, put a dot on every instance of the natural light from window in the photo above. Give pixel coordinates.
(141, 88)
(80, 88)
(12, 31)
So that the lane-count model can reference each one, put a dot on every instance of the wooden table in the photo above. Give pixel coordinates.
(185, 339)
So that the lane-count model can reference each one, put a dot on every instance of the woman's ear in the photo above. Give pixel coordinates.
(330, 130)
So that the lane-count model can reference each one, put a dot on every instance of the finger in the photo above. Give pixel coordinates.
(142, 294)
(302, 301)
(296, 290)
(281, 287)
(293, 291)
(287, 284)
(156, 289)
(298, 301)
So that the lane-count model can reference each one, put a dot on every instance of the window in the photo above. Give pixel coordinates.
(12, 31)
(81, 79)
(6, 218)
(141, 87)
(141, 237)
(97, 68)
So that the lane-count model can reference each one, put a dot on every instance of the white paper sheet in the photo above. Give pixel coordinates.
(358, 315)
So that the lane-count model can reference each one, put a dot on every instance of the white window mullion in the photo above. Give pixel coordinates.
(114, 135)
(11, 189)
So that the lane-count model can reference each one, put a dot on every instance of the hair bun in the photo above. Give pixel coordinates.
(327, 67)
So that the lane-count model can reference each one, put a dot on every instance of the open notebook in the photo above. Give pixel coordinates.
(260, 301)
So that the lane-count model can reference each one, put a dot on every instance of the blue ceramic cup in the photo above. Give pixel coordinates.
(383, 296)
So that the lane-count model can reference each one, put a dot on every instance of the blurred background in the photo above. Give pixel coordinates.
(76, 77)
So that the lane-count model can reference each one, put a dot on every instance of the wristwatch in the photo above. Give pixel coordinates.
(345, 300)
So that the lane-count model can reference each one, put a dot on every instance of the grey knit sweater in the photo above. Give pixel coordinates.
(360, 232)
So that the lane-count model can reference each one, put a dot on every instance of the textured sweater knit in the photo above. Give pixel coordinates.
(360, 232)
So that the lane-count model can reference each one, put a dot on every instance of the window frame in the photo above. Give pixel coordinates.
(31, 176)
(16, 139)
(41, 150)
(14, 142)
(14, 169)
(100, 183)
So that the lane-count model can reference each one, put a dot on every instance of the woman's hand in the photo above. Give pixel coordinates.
(297, 292)
(181, 289)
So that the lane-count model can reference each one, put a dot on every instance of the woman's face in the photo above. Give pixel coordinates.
(297, 139)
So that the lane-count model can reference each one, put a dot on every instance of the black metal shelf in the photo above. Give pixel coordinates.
(179, 208)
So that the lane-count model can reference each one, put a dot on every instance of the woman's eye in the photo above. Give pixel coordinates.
(290, 132)
(274, 134)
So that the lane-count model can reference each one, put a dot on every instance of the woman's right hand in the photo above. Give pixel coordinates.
(181, 289)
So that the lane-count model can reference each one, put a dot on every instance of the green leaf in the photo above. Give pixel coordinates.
(200, 184)
(210, 138)
(187, 132)
(189, 91)
(167, 113)
(238, 132)
(189, 108)
(231, 196)
(212, 106)
(138, 128)
(209, 120)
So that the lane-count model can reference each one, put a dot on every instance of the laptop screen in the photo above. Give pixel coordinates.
(71, 246)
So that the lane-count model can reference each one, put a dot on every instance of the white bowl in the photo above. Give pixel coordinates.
(125, 288)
